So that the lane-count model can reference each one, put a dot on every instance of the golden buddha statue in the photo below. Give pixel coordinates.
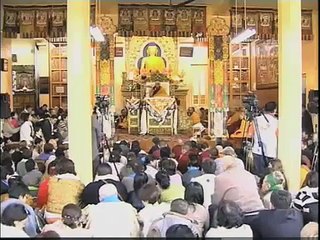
(152, 63)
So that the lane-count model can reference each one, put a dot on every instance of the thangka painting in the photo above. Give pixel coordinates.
(252, 20)
(265, 21)
(199, 21)
(306, 25)
(27, 24)
(170, 20)
(125, 21)
(155, 21)
(265, 25)
(184, 22)
(140, 24)
(37, 22)
(161, 20)
(11, 25)
(23, 79)
(41, 26)
(267, 64)
(58, 22)
(236, 22)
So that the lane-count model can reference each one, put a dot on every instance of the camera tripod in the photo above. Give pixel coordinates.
(315, 157)
(247, 145)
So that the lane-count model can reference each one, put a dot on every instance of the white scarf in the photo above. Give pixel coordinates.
(105, 177)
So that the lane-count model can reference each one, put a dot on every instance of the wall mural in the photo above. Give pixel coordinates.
(218, 32)
(265, 21)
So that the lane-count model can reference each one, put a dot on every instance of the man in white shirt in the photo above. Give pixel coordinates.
(268, 129)
(207, 180)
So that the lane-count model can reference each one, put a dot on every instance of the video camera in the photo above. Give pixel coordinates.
(250, 103)
(102, 103)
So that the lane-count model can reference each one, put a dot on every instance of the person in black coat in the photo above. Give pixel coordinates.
(307, 125)
(4, 182)
(48, 127)
(280, 222)
(140, 179)
(90, 194)
(42, 111)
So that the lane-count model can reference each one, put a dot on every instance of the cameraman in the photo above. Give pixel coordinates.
(268, 129)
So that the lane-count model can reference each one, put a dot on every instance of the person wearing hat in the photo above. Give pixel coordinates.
(111, 217)
(226, 154)
(271, 182)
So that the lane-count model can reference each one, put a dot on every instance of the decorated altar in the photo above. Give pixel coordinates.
(161, 115)
(152, 115)
(152, 87)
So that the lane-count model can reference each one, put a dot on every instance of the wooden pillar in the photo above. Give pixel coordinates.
(79, 87)
(290, 89)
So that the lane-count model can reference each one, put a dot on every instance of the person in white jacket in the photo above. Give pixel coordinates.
(26, 129)
(9, 130)
(112, 217)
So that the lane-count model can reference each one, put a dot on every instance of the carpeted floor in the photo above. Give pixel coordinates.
(146, 140)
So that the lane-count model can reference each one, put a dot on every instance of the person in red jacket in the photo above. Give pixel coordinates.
(183, 160)
(42, 197)
(177, 149)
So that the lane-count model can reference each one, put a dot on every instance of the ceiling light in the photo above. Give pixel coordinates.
(243, 36)
(96, 33)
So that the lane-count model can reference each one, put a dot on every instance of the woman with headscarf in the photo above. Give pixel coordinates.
(273, 181)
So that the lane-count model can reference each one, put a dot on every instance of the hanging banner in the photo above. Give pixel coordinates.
(27, 24)
(11, 25)
(41, 26)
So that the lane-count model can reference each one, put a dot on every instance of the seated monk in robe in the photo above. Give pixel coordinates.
(237, 125)
(233, 122)
(123, 122)
(243, 130)
(158, 91)
(195, 119)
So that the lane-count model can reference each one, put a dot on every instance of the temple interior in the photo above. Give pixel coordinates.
(236, 77)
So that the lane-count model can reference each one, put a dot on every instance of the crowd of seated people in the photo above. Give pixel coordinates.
(191, 190)
(33, 126)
